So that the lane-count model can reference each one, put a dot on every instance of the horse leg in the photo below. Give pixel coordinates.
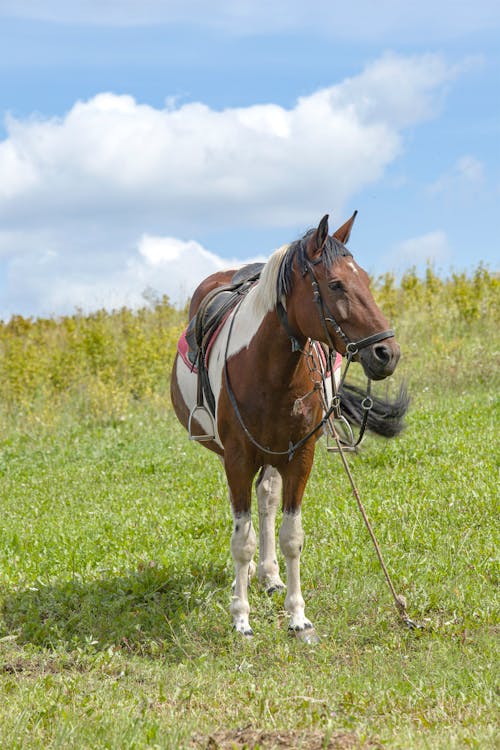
(268, 488)
(291, 542)
(252, 568)
(243, 546)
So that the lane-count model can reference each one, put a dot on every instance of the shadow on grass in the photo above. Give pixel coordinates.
(149, 612)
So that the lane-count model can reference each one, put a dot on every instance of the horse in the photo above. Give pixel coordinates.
(267, 409)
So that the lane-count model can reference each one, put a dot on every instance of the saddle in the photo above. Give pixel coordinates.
(204, 326)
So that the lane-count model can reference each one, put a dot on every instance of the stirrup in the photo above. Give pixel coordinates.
(203, 438)
(347, 440)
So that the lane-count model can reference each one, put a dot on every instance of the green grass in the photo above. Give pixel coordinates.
(115, 568)
(115, 573)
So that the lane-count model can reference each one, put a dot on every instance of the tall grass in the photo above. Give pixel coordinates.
(94, 366)
(448, 328)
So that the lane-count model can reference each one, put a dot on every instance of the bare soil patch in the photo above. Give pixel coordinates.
(250, 738)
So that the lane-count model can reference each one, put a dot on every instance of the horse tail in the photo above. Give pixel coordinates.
(386, 417)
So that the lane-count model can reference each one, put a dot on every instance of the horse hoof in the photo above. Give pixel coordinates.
(275, 589)
(305, 635)
(245, 632)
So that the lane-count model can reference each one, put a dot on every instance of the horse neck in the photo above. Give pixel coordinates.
(278, 361)
(262, 344)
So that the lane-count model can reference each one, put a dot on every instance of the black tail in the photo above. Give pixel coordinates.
(385, 418)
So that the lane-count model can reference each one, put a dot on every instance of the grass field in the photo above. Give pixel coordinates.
(115, 567)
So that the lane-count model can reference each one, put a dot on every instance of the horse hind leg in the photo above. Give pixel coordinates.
(268, 488)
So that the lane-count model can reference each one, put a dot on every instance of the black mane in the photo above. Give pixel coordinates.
(332, 250)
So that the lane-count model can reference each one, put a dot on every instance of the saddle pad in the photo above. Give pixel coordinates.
(183, 347)
(324, 362)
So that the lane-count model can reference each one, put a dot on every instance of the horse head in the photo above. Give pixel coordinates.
(330, 301)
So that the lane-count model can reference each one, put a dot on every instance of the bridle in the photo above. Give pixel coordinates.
(326, 317)
(351, 350)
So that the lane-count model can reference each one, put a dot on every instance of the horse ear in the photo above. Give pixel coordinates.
(344, 232)
(318, 239)
(321, 233)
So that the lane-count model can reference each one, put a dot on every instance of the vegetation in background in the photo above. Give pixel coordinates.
(115, 567)
(97, 366)
(93, 366)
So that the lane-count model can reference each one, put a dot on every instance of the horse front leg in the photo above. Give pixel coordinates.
(291, 538)
(269, 485)
(243, 545)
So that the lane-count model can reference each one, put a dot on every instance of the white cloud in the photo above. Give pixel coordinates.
(197, 164)
(78, 192)
(164, 265)
(176, 267)
(431, 248)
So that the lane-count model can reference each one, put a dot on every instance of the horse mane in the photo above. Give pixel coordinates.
(266, 291)
(276, 280)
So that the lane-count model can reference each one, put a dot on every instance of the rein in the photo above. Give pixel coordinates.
(293, 447)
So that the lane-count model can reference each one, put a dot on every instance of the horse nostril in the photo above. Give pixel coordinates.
(382, 353)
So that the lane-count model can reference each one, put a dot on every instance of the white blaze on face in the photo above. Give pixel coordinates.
(351, 265)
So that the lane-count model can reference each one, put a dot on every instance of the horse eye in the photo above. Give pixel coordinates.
(336, 286)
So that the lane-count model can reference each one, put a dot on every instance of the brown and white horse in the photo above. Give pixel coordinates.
(259, 370)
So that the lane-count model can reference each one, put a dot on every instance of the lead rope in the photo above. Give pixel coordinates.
(399, 599)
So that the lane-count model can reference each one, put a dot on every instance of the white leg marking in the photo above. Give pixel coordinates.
(252, 568)
(243, 545)
(291, 541)
(269, 497)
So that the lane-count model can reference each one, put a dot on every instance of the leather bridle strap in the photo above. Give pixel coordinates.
(326, 316)
(353, 347)
(283, 319)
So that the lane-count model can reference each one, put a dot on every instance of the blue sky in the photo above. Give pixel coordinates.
(146, 144)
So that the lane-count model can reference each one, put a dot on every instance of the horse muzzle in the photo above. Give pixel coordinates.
(380, 360)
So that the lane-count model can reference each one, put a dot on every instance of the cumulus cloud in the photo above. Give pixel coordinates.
(156, 266)
(79, 192)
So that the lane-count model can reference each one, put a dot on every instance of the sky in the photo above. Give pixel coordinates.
(145, 144)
